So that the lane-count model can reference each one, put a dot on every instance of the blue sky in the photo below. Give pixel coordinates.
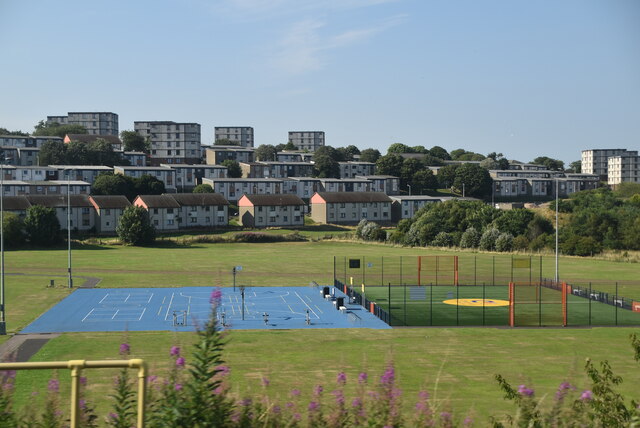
(525, 78)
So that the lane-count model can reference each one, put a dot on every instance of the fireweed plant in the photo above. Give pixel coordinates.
(195, 393)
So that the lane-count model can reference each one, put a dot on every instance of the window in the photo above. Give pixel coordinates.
(342, 205)
(85, 222)
(375, 213)
(155, 222)
(220, 219)
(353, 215)
(194, 219)
(272, 219)
(364, 215)
(107, 211)
(272, 208)
(259, 209)
(342, 215)
(169, 210)
(107, 224)
(220, 207)
(285, 218)
(330, 215)
(155, 211)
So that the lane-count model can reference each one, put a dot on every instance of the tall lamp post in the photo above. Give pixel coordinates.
(557, 277)
(409, 186)
(69, 224)
(3, 320)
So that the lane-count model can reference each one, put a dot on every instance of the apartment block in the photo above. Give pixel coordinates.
(407, 206)
(354, 169)
(624, 168)
(108, 210)
(596, 161)
(232, 189)
(307, 140)
(189, 176)
(383, 183)
(350, 207)
(294, 156)
(116, 143)
(25, 141)
(163, 210)
(241, 135)
(96, 123)
(271, 210)
(201, 210)
(81, 213)
(217, 154)
(171, 142)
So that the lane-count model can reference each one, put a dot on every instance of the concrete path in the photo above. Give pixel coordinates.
(21, 347)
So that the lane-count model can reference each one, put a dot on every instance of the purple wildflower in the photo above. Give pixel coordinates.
(83, 380)
(296, 416)
(420, 406)
(180, 362)
(318, 389)
(341, 378)
(362, 377)
(467, 422)
(10, 374)
(276, 409)
(356, 402)
(445, 416)
(586, 395)
(246, 402)
(295, 392)
(313, 406)
(388, 377)
(7, 386)
(175, 351)
(82, 404)
(152, 378)
(562, 390)
(216, 297)
(339, 395)
(124, 348)
(423, 395)
(524, 391)
(289, 405)
(113, 416)
(178, 387)
(223, 370)
(265, 382)
(54, 385)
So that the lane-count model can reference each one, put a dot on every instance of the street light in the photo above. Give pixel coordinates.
(3, 320)
(409, 186)
(556, 276)
(68, 171)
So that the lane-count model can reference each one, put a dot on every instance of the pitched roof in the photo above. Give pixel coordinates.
(199, 199)
(15, 203)
(159, 201)
(275, 200)
(110, 201)
(333, 197)
(90, 138)
(59, 201)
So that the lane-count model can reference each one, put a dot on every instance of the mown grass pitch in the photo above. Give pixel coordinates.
(457, 365)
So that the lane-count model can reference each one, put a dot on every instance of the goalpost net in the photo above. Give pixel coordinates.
(437, 270)
(537, 304)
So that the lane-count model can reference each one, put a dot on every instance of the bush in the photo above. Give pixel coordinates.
(521, 243)
(470, 238)
(372, 232)
(13, 230)
(259, 237)
(541, 242)
(581, 246)
(203, 188)
(135, 228)
(504, 242)
(442, 239)
(42, 226)
(361, 226)
(488, 239)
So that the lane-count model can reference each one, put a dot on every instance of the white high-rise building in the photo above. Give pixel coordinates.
(624, 168)
(240, 135)
(171, 142)
(96, 123)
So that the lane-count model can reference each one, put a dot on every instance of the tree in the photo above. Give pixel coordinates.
(488, 239)
(109, 183)
(423, 181)
(369, 155)
(289, 146)
(575, 167)
(408, 169)
(149, 185)
(443, 239)
(5, 131)
(77, 153)
(54, 129)
(53, 153)
(447, 175)
(203, 188)
(13, 230)
(398, 148)
(135, 227)
(42, 226)
(500, 161)
(134, 142)
(325, 166)
(463, 155)
(470, 238)
(233, 168)
(551, 164)
(101, 152)
(473, 180)
(504, 242)
(439, 152)
(514, 221)
(265, 152)
(390, 164)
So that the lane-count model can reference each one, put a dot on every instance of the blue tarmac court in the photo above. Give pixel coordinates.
(182, 309)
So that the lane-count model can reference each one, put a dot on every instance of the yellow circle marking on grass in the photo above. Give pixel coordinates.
(477, 302)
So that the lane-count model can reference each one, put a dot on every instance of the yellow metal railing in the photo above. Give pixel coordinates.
(76, 367)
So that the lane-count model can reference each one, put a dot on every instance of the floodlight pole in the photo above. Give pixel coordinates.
(234, 278)
(3, 322)
(409, 186)
(242, 293)
(69, 224)
(557, 276)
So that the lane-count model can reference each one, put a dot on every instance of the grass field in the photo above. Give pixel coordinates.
(458, 364)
